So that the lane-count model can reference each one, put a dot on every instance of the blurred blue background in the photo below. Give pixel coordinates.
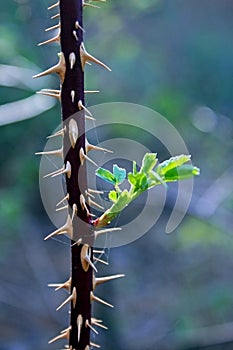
(176, 57)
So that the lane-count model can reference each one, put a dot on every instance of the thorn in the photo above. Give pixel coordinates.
(87, 324)
(53, 27)
(90, 147)
(100, 260)
(100, 280)
(56, 16)
(75, 210)
(95, 298)
(77, 26)
(98, 323)
(64, 330)
(54, 5)
(91, 202)
(64, 170)
(84, 206)
(85, 56)
(58, 171)
(98, 251)
(66, 198)
(79, 241)
(66, 285)
(72, 60)
(79, 324)
(48, 93)
(63, 335)
(83, 156)
(106, 230)
(72, 297)
(65, 229)
(95, 191)
(87, 4)
(73, 132)
(86, 258)
(49, 41)
(57, 153)
(59, 68)
(62, 208)
(72, 93)
(89, 194)
(52, 90)
(97, 320)
(75, 35)
(91, 91)
(89, 117)
(81, 106)
(58, 133)
(83, 203)
(95, 345)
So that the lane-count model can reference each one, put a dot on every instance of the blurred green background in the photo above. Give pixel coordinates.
(176, 57)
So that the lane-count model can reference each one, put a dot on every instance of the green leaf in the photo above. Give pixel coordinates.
(106, 175)
(113, 196)
(119, 174)
(134, 167)
(148, 163)
(132, 179)
(182, 172)
(122, 201)
(139, 181)
(156, 179)
(143, 183)
(172, 169)
(172, 163)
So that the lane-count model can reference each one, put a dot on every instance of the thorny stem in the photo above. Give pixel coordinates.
(71, 14)
(79, 226)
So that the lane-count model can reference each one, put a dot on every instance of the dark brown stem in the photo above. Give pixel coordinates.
(71, 17)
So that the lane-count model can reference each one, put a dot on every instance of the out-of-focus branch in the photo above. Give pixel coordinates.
(21, 78)
(24, 109)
